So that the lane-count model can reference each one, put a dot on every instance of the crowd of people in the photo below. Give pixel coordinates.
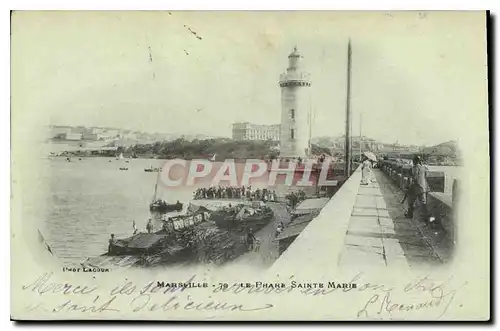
(316, 159)
(233, 192)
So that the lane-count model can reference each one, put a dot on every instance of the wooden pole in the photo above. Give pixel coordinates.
(360, 135)
(347, 166)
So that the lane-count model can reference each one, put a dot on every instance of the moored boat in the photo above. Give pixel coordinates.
(151, 169)
(140, 243)
(166, 240)
(183, 239)
(242, 216)
(161, 206)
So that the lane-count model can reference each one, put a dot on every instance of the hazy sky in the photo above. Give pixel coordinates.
(416, 77)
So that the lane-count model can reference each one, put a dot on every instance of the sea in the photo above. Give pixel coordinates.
(90, 199)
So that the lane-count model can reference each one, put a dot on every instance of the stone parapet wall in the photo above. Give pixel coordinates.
(439, 204)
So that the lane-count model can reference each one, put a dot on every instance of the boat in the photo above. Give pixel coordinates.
(241, 216)
(151, 169)
(182, 222)
(165, 240)
(140, 243)
(161, 206)
(123, 168)
(182, 241)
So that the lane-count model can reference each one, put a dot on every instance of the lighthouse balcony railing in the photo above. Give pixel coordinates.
(290, 76)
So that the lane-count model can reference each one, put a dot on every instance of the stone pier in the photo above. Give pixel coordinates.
(365, 226)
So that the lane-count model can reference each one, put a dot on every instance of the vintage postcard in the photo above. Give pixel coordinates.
(224, 166)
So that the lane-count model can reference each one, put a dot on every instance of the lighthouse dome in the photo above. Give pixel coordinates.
(295, 53)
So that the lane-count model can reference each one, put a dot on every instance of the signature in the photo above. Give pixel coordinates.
(437, 295)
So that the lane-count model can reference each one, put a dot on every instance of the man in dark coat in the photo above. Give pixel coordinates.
(419, 188)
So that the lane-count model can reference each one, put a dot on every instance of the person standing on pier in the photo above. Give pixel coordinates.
(419, 188)
(250, 239)
(149, 226)
(279, 229)
(111, 245)
(366, 170)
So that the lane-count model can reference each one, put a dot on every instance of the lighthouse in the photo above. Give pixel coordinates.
(295, 129)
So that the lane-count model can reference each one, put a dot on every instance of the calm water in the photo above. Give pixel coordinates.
(451, 173)
(92, 198)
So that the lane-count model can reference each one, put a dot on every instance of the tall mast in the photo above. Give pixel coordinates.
(156, 186)
(347, 166)
(360, 135)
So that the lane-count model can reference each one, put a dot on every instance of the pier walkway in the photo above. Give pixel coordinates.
(363, 226)
(379, 233)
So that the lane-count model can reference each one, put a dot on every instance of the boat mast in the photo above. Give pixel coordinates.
(156, 186)
(311, 117)
(347, 161)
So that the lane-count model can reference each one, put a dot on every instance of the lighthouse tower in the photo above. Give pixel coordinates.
(295, 131)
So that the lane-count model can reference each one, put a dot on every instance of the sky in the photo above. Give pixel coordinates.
(417, 78)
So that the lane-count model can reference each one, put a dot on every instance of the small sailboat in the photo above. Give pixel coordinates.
(121, 158)
(161, 206)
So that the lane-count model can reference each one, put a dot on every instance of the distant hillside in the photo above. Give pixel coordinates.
(449, 148)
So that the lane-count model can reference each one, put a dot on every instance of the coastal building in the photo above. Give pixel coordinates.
(91, 134)
(295, 86)
(73, 136)
(249, 131)
(59, 132)
(78, 130)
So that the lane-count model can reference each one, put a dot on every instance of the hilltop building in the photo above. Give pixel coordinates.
(249, 131)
